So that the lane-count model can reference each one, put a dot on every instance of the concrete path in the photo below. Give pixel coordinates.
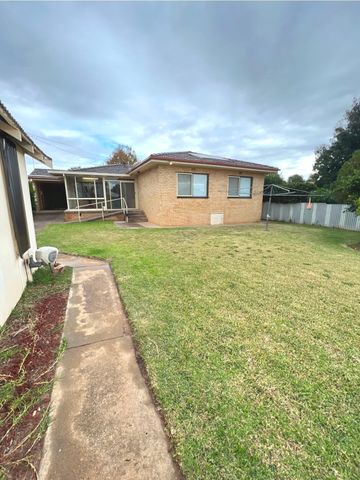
(43, 219)
(105, 425)
(136, 225)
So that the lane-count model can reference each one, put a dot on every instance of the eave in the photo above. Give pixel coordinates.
(12, 129)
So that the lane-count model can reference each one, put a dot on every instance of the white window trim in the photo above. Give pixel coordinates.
(238, 195)
(191, 184)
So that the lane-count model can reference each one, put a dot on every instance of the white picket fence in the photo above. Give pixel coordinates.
(324, 214)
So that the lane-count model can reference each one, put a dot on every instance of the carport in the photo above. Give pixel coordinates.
(49, 190)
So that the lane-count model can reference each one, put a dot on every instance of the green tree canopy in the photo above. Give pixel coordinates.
(330, 158)
(347, 188)
(297, 182)
(274, 178)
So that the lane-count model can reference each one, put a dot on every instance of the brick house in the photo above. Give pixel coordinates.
(174, 188)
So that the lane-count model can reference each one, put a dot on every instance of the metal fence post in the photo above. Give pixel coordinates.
(268, 210)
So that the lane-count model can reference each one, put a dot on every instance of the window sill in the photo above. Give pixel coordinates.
(191, 197)
(239, 198)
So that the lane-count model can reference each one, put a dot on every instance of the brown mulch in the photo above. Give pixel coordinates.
(34, 343)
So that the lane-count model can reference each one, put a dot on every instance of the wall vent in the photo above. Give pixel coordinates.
(216, 218)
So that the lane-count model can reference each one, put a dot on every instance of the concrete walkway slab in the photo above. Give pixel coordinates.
(89, 318)
(104, 421)
(42, 219)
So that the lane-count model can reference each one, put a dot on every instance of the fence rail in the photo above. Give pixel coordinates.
(326, 215)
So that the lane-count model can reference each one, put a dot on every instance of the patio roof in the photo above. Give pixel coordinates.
(100, 170)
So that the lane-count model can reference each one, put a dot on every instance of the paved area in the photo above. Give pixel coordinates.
(104, 423)
(128, 225)
(136, 225)
(43, 219)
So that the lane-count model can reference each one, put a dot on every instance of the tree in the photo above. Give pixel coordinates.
(122, 155)
(299, 185)
(297, 182)
(346, 140)
(358, 207)
(324, 195)
(347, 187)
(274, 178)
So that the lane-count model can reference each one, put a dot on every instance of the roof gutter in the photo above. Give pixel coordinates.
(43, 178)
(88, 174)
(9, 126)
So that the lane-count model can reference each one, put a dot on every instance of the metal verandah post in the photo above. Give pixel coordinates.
(268, 209)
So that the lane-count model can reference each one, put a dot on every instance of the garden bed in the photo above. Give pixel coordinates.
(30, 345)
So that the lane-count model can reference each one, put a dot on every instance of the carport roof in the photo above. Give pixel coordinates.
(116, 169)
(40, 172)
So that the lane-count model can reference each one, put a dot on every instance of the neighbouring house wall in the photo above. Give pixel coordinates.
(12, 270)
(149, 194)
(158, 189)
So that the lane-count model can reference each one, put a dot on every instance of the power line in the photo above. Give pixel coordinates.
(56, 145)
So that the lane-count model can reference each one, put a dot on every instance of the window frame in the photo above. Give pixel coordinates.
(239, 196)
(191, 185)
(95, 200)
(73, 200)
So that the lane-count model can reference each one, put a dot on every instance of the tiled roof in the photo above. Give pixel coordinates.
(186, 157)
(40, 172)
(204, 159)
(118, 168)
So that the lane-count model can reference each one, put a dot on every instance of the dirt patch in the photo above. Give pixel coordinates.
(355, 246)
(29, 346)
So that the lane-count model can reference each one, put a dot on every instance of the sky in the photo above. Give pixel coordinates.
(262, 82)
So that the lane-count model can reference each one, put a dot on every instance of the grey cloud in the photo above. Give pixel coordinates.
(218, 76)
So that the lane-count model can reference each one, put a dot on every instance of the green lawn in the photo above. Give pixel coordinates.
(251, 340)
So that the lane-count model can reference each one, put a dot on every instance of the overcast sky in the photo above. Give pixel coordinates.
(263, 82)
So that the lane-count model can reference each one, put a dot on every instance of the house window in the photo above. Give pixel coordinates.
(85, 189)
(192, 185)
(240, 187)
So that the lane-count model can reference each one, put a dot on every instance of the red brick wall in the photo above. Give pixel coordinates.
(73, 216)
